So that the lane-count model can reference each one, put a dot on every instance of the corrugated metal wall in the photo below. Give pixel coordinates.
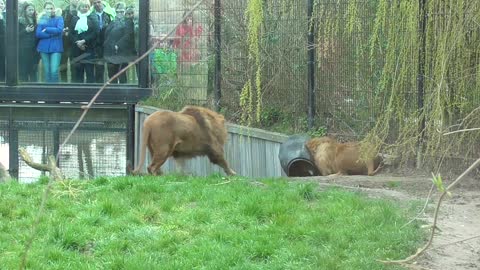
(250, 152)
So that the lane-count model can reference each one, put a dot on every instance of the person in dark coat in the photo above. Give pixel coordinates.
(102, 19)
(119, 45)
(68, 13)
(2, 40)
(83, 35)
(28, 57)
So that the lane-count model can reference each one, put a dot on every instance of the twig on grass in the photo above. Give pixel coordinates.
(221, 183)
(423, 209)
(456, 242)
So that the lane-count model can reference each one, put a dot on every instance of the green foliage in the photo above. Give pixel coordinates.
(437, 180)
(318, 132)
(164, 61)
(250, 97)
(177, 222)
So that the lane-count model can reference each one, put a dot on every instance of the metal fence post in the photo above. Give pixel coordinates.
(11, 31)
(130, 138)
(311, 64)
(143, 36)
(13, 146)
(218, 53)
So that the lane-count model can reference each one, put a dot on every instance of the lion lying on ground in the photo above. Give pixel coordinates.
(194, 131)
(332, 157)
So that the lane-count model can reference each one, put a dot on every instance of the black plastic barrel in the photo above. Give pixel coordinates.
(295, 158)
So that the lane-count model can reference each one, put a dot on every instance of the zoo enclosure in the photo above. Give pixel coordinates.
(337, 67)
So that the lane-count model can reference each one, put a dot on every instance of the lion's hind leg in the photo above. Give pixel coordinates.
(216, 156)
(159, 157)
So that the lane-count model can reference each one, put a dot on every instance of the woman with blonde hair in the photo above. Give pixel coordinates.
(84, 32)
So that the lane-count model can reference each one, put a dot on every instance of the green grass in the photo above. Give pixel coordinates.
(176, 222)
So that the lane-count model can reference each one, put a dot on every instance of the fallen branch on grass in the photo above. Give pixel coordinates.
(50, 167)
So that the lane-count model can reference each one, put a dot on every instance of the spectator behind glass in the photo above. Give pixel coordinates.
(50, 45)
(186, 42)
(132, 14)
(68, 13)
(2, 40)
(28, 56)
(103, 18)
(119, 45)
(83, 36)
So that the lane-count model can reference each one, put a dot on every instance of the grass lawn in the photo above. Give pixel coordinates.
(179, 222)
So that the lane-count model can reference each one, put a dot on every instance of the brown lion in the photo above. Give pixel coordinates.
(194, 131)
(332, 157)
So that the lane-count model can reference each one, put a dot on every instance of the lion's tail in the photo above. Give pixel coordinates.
(143, 150)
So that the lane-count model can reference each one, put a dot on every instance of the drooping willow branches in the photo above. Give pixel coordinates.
(378, 53)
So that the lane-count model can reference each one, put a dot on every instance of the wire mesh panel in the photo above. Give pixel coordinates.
(180, 64)
(283, 64)
(39, 145)
(92, 153)
(97, 148)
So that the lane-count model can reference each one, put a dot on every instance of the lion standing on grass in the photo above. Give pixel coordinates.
(194, 131)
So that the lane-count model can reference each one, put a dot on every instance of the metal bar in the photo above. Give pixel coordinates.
(43, 92)
(13, 146)
(56, 143)
(143, 36)
(218, 53)
(130, 137)
(311, 64)
(11, 31)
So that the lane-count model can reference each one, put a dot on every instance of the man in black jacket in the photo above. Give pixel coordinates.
(68, 13)
(103, 20)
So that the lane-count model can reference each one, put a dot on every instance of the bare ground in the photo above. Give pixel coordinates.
(457, 244)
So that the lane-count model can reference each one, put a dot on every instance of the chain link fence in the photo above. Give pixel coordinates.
(346, 102)
(97, 148)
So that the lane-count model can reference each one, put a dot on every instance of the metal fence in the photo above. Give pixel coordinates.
(98, 148)
(186, 75)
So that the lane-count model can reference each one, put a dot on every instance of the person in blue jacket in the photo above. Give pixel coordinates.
(50, 45)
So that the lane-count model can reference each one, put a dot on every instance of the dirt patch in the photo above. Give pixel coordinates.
(457, 245)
